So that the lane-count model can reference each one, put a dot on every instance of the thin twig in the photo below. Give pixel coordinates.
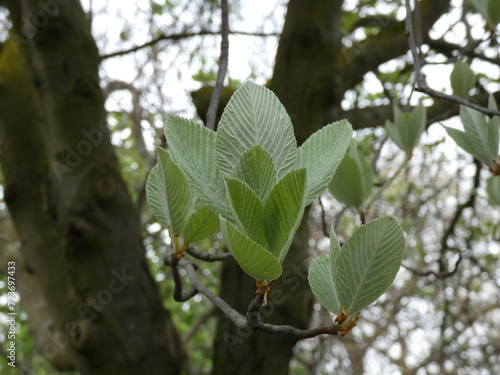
(223, 61)
(207, 257)
(421, 83)
(179, 294)
(235, 317)
(180, 36)
(439, 275)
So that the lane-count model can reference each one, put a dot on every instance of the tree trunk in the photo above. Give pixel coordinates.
(79, 228)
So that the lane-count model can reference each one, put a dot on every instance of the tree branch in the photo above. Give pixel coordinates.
(207, 257)
(223, 61)
(251, 322)
(179, 36)
(421, 83)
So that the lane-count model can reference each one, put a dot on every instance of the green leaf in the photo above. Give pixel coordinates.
(252, 258)
(481, 7)
(477, 131)
(321, 282)
(460, 139)
(392, 132)
(493, 189)
(335, 251)
(321, 154)
(407, 128)
(368, 263)
(494, 11)
(462, 79)
(201, 224)
(248, 210)
(193, 150)
(254, 115)
(353, 180)
(168, 193)
(256, 168)
(494, 128)
(283, 211)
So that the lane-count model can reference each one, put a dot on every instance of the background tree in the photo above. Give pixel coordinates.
(75, 158)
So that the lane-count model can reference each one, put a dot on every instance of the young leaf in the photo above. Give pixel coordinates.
(478, 133)
(321, 282)
(254, 115)
(247, 209)
(256, 168)
(462, 79)
(494, 11)
(168, 193)
(460, 139)
(493, 128)
(353, 180)
(407, 128)
(368, 263)
(283, 210)
(200, 224)
(193, 150)
(321, 154)
(252, 258)
(493, 189)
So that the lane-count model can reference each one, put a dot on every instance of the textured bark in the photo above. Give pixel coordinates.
(79, 229)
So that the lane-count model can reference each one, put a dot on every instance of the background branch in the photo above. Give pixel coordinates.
(421, 83)
(223, 61)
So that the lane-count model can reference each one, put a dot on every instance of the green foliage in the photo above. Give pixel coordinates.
(353, 180)
(493, 189)
(173, 203)
(480, 137)
(360, 271)
(407, 128)
(250, 173)
(489, 9)
(462, 79)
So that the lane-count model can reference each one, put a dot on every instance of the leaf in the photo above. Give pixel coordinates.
(462, 79)
(201, 224)
(460, 139)
(321, 282)
(493, 189)
(283, 211)
(168, 193)
(256, 168)
(247, 209)
(416, 126)
(477, 132)
(392, 132)
(335, 251)
(368, 263)
(481, 7)
(193, 150)
(254, 115)
(407, 128)
(353, 180)
(494, 11)
(252, 258)
(321, 154)
(494, 128)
